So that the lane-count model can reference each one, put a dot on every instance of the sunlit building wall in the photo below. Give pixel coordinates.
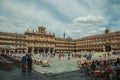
(42, 42)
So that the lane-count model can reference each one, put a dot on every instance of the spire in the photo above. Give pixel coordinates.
(106, 30)
(64, 34)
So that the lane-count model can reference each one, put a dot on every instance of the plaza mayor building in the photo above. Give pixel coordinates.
(42, 42)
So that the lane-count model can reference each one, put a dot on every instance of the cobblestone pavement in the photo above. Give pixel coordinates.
(61, 65)
(58, 70)
(72, 75)
(16, 74)
(61, 69)
(58, 66)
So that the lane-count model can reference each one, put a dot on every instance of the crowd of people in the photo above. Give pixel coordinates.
(68, 55)
(108, 69)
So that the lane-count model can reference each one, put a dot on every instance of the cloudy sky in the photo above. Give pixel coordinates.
(77, 18)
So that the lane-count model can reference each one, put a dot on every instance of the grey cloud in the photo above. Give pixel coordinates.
(57, 16)
(89, 20)
(53, 11)
(3, 19)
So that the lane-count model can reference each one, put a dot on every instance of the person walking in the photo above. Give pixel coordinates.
(29, 63)
(24, 63)
(90, 56)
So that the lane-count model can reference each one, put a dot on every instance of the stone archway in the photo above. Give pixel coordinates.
(29, 49)
(107, 47)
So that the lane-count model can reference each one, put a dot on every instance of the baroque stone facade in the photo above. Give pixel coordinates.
(42, 42)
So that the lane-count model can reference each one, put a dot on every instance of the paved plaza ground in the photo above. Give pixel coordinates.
(62, 65)
(59, 69)
(16, 74)
(58, 66)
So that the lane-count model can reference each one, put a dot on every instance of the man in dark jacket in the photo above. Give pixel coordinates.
(29, 62)
(93, 66)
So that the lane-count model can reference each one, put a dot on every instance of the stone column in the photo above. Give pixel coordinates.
(26, 51)
(53, 50)
(104, 48)
(17, 51)
(49, 50)
(9, 52)
(23, 51)
(37, 50)
(5, 52)
(32, 50)
(44, 51)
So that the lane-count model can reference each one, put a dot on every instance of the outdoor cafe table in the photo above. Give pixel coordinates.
(97, 72)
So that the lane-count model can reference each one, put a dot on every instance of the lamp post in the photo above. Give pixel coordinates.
(69, 39)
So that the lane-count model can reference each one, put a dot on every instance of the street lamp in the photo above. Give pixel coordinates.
(69, 39)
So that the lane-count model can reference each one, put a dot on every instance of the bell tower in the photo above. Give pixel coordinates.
(41, 30)
(64, 35)
(107, 31)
